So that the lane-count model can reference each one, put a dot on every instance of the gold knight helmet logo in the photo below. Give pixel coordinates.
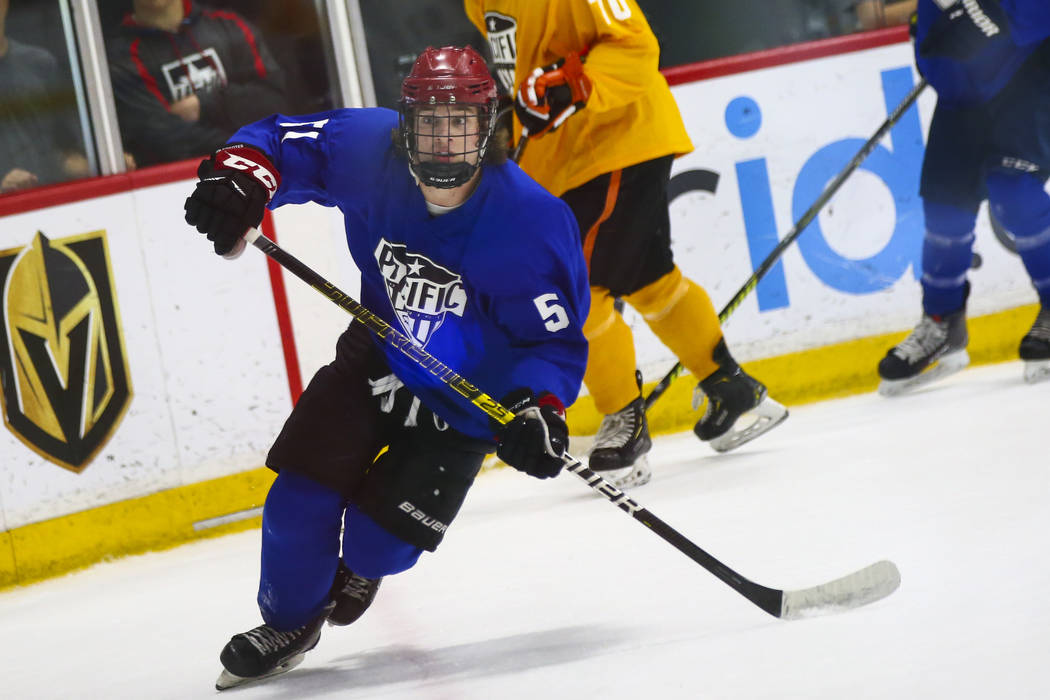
(63, 371)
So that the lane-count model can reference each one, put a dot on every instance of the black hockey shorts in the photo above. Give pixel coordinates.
(625, 226)
(356, 429)
(1010, 131)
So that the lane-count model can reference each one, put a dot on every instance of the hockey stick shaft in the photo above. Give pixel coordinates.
(773, 601)
(523, 141)
(797, 230)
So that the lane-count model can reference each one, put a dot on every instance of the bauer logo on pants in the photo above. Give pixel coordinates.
(63, 369)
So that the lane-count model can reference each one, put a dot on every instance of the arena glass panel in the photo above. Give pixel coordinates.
(398, 31)
(187, 74)
(701, 30)
(45, 128)
(689, 31)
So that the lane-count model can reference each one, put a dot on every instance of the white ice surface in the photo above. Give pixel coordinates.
(544, 590)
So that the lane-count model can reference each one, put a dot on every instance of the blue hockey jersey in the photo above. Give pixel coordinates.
(496, 289)
(982, 76)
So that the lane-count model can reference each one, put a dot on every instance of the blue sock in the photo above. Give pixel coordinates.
(1021, 204)
(947, 251)
(300, 550)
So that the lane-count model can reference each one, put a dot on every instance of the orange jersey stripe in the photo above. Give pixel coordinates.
(611, 195)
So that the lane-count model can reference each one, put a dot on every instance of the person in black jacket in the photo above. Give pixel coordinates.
(186, 77)
(39, 134)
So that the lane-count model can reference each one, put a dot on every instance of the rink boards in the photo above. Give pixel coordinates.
(148, 426)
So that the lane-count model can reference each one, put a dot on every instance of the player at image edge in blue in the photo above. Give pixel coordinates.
(989, 62)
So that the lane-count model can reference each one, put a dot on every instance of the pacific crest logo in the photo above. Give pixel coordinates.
(63, 370)
(420, 290)
(502, 35)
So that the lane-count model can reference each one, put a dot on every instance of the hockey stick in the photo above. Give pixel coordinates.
(867, 585)
(520, 148)
(797, 229)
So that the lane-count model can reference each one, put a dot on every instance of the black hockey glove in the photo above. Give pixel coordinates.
(552, 94)
(536, 439)
(963, 29)
(236, 183)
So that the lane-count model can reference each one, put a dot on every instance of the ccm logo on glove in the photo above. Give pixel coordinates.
(236, 183)
(251, 161)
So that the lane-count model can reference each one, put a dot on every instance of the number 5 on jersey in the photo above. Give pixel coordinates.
(552, 313)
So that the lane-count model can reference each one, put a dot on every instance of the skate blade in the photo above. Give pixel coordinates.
(947, 365)
(638, 474)
(228, 680)
(1036, 371)
(768, 414)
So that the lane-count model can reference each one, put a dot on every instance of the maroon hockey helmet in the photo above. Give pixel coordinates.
(444, 149)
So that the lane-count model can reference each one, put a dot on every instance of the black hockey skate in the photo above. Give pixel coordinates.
(934, 350)
(732, 393)
(1035, 348)
(351, 594)
(619, 450)
(264, 652)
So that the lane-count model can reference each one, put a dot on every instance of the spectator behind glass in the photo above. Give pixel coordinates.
(37, 117)
(186, 77)
(829, 18)
(876, 13)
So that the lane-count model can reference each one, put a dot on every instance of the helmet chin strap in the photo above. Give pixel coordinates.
(444, 176)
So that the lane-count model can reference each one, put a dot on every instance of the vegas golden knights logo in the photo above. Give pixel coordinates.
(63, 370)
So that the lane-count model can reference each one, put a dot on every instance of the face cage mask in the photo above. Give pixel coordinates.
(440, 148)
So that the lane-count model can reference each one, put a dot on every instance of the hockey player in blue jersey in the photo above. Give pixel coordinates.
(989, 62)
(474, 262)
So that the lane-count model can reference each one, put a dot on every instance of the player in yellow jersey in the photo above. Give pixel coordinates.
(603, 130)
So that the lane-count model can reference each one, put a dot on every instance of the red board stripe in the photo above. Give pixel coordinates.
(284, 316)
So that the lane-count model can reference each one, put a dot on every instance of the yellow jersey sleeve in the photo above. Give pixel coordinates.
(623, 55)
